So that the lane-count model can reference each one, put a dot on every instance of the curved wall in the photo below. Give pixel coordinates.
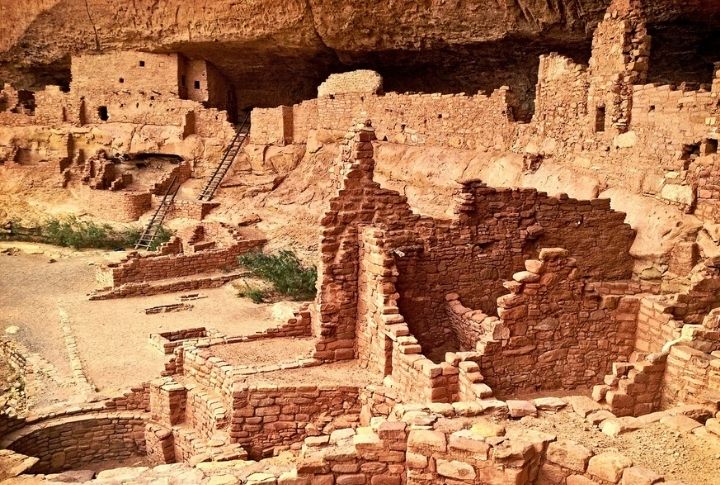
(78, 441)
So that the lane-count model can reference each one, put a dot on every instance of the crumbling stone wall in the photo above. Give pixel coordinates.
(137, 269)
(360, 81)
(557, 335)
(471, 255)
(359, 201)
(475, 255)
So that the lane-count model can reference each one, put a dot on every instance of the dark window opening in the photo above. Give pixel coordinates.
(26, 102)
(691, 151)
(652, 108)
(711, 146)
(141, 63)
(599, 119)
(197, 84)
(103, 113)
(122, 80)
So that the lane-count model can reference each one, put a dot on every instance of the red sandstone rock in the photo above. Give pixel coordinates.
(569, 454)
(680, 423)
(636, 475)
(518, 409)
(608, 466)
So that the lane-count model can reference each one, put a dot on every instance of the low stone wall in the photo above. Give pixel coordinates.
(466, 325)
(458, 443)
(691, 377)
(77, 441)
(190, 209)
(146, 289)
(268, 418)
(139, 269)
(167, 342)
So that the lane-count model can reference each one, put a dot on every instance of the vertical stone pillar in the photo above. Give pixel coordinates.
(160, 444)
(167, 401)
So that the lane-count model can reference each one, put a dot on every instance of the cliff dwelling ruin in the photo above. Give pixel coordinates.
(360, 243)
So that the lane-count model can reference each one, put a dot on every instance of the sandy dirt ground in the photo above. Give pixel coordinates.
(38, 297)
(264, 352)
(346, 373)
(679, 456)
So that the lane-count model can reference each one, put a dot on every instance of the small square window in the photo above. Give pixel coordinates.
(711, 146)
(122, 80)
(141, 63)
(197, 84)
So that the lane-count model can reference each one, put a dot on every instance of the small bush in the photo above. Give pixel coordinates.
(132, 234)
(72, 232)
(256, 295)
(285, 271)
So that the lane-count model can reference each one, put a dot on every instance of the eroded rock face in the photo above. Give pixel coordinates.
(280, 50)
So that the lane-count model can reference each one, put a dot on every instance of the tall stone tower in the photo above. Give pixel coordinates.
(620, 55)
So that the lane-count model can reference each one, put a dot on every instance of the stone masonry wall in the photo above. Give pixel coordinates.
(359, 201)
(121, 206)
(471, 255)
(558, 336)
(137, 269)
(691, 377)
(620, 53)
(78, 441)
(475, 255)
(265, 418)
(482, 122)
(384, 343)
(127, 71)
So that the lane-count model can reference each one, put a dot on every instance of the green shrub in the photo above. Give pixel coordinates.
(256, 295)
(285, 271)
(72, 232)
(132, 234)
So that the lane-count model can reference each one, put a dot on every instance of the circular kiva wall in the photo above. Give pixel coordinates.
(75, 442)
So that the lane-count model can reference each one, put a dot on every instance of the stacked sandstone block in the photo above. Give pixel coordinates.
(72, 442)
(692, 377)
(633, 388)
(269, 418)
(368, 455)
(546, 300)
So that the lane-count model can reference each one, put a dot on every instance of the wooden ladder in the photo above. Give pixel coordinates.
(228, 158)
(151, 231)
